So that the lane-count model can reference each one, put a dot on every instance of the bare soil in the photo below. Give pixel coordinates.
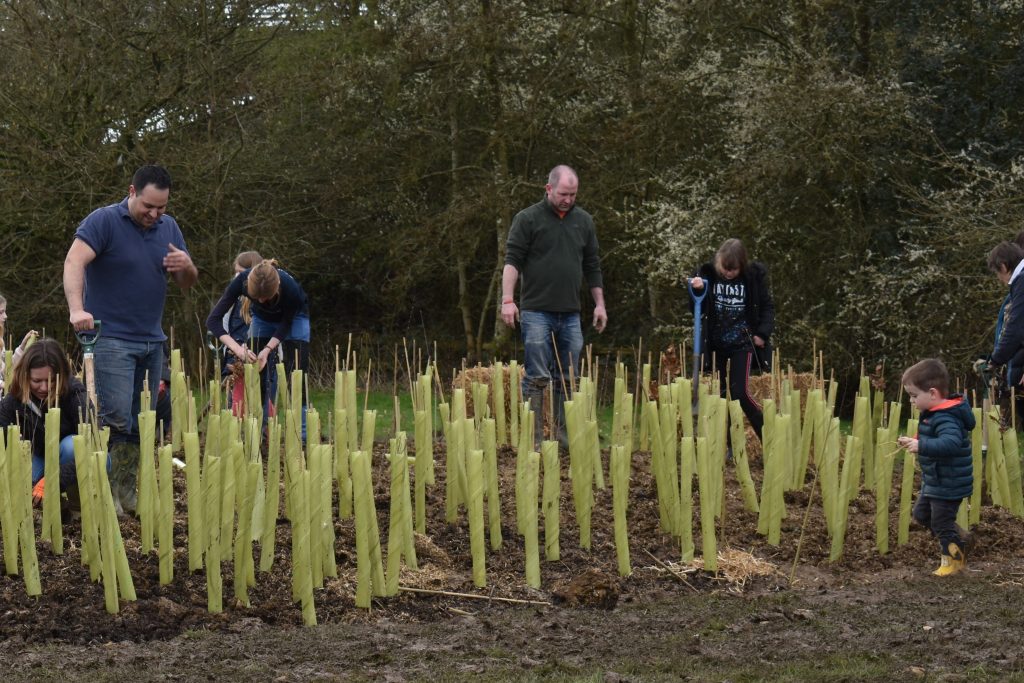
(868, 617)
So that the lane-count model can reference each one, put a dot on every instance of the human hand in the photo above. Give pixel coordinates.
(81, 320)
(29, 339)
(909, 443)
(758, 342)
(37, 492)
(244, 353)
(981, 365)
(176, 260)
(697, 282)
(600, 318)
(509, 313)
(263, 357)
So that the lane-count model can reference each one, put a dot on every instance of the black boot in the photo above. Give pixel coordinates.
(561, 431)
(535, 397)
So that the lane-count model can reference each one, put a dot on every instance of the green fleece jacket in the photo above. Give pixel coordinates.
(553, 255)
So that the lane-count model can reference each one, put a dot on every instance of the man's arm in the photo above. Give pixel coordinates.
(509, 311)
(600, 314)
(79, 256)
(179, 264)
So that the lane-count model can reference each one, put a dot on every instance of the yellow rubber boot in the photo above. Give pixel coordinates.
(953, 563)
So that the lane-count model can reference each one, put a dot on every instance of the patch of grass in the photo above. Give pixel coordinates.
(384, 404)
(715, 625)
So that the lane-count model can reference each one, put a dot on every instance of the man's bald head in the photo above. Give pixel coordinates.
(562, 187)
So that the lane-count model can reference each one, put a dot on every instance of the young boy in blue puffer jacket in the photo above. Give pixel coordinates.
(943, 448)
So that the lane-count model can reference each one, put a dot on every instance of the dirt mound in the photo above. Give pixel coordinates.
(592, 588)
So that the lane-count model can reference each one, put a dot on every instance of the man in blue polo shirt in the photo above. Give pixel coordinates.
(116, 271)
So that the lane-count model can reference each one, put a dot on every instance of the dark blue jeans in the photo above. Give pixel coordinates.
(67, 464)
(121, 369)
(542, 333)
(940, 516)
(294, 348)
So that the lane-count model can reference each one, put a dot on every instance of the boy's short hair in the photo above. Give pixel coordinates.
(928, 374)
(1007, 254)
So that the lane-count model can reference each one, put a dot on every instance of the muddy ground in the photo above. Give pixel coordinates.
(868, 617)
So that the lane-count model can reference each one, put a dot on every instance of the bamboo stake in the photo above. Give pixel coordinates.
(471, 596)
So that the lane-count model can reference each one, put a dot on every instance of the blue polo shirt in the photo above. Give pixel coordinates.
(126, 284)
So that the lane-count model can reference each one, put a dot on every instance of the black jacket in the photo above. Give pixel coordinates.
(1011, 334)
(759, 310)
(33, 424)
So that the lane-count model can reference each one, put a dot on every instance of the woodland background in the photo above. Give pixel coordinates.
(869, 152)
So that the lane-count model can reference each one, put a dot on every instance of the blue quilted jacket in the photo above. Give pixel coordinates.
(944, 450)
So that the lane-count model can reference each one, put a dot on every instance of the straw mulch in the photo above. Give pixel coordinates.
(485, 375)
(767, 386)
(736, 567)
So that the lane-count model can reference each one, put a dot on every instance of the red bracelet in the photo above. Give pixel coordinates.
(508, 301)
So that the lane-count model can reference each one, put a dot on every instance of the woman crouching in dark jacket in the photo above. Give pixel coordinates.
(41, 379)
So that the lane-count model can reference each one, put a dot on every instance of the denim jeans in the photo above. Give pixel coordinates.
(294, 346)
(121, 370)
(67, 464)
(542, 331)
(299, 331)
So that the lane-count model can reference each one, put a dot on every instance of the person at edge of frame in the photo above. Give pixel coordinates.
(1010, 374)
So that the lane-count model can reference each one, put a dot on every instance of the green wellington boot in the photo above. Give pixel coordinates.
(124, 474)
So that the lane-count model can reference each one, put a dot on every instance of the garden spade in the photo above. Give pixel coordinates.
(87, 338)
(984, 370)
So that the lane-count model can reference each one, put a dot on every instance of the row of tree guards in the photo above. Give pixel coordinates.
(233, 494)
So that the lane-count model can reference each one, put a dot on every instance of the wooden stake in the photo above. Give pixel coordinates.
(474, 597)
(672, 572)
(366, 389)
(408, 373)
